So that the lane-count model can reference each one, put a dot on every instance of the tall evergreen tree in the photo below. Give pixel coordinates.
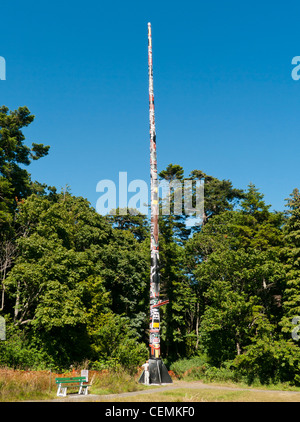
(15, 181)
(291, 253)
(220, 195)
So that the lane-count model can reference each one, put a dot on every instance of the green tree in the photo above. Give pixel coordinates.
(125, 271)
(174, 222)
(114, 342)
(220, 195)
(254, 204)
(46, 287)
(51, 289)
(132, 220)
(177, 314)
(15, 181)
(238, 277)
(291, 256)
(237, 287)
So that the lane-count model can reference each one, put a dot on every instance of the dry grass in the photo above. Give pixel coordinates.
(17, 385)
(23, 385)
(107, 382)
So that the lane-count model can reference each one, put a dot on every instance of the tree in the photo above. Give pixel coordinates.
(175, 287)
(291, 256)
(15, 181)
(131, 220)
(53, 285)
(172, 172)
(254, 204)
(237, 288)
(176, 222)
(115, 343)
(125, 271)
(237, 274)
(219, 194)
(46, 287)
(176, 329)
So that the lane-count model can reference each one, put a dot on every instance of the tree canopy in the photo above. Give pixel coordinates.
(75, 284)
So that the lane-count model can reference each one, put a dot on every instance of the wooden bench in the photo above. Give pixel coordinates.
(79, 382)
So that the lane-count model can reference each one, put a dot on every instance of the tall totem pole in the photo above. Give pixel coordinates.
(157, 371)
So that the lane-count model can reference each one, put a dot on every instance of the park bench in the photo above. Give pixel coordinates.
(79, 382)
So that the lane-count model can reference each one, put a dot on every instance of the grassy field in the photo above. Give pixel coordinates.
(217, 394)
(25, 385)
(17, 385)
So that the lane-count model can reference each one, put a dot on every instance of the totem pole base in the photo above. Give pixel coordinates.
(158, 373)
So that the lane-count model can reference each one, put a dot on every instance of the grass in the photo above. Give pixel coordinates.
(108, 382)
(216, 394)
(18, 385)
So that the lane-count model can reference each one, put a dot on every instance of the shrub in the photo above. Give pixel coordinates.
(16, 352)
(194, 367)
(223, 374)
(270, 361)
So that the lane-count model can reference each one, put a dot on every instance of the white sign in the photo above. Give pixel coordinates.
(2, 329)
(85, 373)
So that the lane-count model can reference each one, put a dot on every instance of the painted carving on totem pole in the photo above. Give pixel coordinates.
(155, 303)
(157, 372)
(154, 339)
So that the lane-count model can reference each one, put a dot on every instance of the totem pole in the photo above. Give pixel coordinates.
(157, 371)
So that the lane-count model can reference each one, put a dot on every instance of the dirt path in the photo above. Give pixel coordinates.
(196, 385)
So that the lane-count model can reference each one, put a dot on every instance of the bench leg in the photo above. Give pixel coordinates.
(83, 390)
(62, 391)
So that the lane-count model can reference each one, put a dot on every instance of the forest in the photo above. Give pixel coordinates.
(75, 284)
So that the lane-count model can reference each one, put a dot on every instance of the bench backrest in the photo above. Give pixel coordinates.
(69, 380)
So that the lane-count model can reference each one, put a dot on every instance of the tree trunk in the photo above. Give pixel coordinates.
(197, 326)
(17, 302)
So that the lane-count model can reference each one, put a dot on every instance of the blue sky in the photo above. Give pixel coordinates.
(225, 100)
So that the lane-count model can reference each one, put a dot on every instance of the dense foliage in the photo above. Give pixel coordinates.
(75, 284)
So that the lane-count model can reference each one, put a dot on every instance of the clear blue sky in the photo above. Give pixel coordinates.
(225, 101)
